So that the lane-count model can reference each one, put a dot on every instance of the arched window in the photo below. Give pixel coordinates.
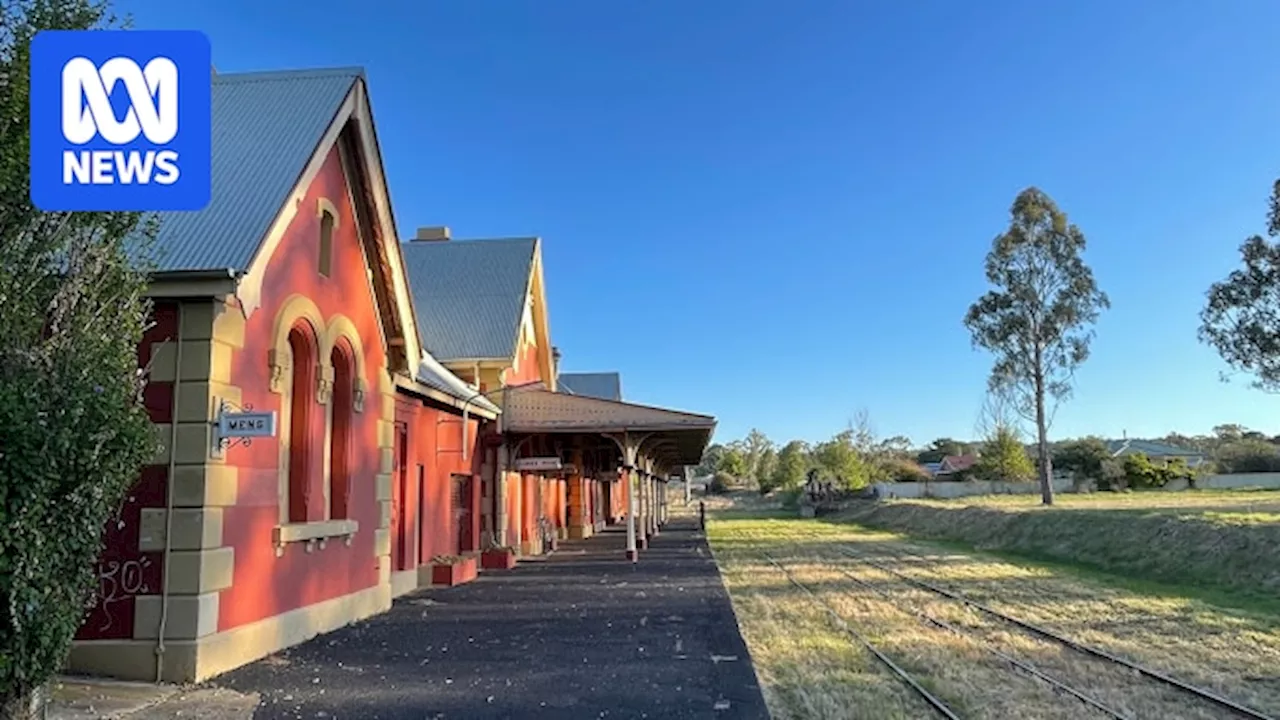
(340, 406)
(327, 222)
(302, 361)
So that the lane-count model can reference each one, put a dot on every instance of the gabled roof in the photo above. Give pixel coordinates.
(1150, 448)
(271, 133)
(470, 295)
(606, 386)
(681, 436)
(957, 463)
(266, 127)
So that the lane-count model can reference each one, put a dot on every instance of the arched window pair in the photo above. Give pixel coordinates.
(321, 402)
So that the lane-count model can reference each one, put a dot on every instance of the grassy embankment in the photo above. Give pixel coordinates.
(810, 669)
(1208, 543)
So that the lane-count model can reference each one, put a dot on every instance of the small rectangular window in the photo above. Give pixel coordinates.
(326, 243)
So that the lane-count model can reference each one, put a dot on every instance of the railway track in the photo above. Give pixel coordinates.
(1026, 667)
(937, 705)
(1051, 636)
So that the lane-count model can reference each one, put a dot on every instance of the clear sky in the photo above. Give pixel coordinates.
(776, 212)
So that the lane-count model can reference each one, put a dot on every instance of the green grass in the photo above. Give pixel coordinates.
(1210, 543)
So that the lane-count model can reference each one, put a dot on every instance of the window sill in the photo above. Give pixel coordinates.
(313, 533)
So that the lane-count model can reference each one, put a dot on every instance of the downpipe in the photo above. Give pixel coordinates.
(168, 501)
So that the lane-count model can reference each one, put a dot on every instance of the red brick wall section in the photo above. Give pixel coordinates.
(264, 584)
(123, 571)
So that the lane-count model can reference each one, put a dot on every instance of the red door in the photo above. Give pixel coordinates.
(401, 527)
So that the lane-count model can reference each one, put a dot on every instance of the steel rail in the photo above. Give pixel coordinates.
(928, 697)
(1199, 692)
(1020, 664)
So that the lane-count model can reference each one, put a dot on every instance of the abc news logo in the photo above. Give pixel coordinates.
(87, 113)
(121, 120)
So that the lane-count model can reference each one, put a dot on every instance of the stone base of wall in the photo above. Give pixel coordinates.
(192, 661)
(580, 532)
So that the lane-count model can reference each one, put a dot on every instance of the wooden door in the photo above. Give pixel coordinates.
(401, 545)
(460, 504)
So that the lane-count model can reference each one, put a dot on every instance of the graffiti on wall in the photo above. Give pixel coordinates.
(119, 581)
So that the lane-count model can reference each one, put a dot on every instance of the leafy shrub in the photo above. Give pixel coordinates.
(791, 498)
(904, 471)
(720, 483)
(73, 432)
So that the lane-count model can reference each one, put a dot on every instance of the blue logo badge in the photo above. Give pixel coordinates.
(120, 120)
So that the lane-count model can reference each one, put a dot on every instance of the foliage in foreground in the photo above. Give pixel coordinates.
(74, 433)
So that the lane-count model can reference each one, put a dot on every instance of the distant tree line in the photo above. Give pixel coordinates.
(854, 458)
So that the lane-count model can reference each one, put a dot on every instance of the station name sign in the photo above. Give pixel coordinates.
(536, 464)
(247, 424)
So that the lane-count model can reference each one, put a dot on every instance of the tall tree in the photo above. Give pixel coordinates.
(840, 459)
(1003, 456)
(755, 446)
(73, 431)
(732, 460)
(793, 461)
(1241, 318)
(1037, 320)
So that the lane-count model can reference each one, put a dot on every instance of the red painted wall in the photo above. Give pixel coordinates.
(264, 584)
(123, 571)
(439, 433)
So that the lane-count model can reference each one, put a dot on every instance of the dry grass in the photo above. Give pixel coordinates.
(811, 670)
(1207, 539)
(1264, 502)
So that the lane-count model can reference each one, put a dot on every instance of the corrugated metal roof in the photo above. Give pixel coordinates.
(606, 386)
(469, 294)
(534, 409)
(1150, 448)
(266, 126)
(433, 374)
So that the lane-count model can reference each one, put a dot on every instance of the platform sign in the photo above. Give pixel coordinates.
(539, 464)
(247, 424)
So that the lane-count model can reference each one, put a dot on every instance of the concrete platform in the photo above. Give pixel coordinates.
(582, 633)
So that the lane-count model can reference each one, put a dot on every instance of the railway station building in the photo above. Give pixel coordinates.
(413, 387)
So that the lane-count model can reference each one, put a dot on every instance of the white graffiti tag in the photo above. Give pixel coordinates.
(119, 581)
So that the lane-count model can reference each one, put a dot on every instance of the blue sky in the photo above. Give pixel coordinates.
(777, 212)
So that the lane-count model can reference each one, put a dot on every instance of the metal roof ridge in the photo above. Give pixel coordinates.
(352, 71)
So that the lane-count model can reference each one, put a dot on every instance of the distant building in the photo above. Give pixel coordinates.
(954, 464)
(1155, 450)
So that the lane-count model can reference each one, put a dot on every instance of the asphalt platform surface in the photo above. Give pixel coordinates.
(581, 633)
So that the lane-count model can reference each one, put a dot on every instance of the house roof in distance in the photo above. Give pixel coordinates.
(603, 385)
(1150, 448)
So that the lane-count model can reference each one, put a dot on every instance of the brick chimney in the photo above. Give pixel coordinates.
(432, 234)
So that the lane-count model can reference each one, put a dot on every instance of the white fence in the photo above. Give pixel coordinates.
(949, 489)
